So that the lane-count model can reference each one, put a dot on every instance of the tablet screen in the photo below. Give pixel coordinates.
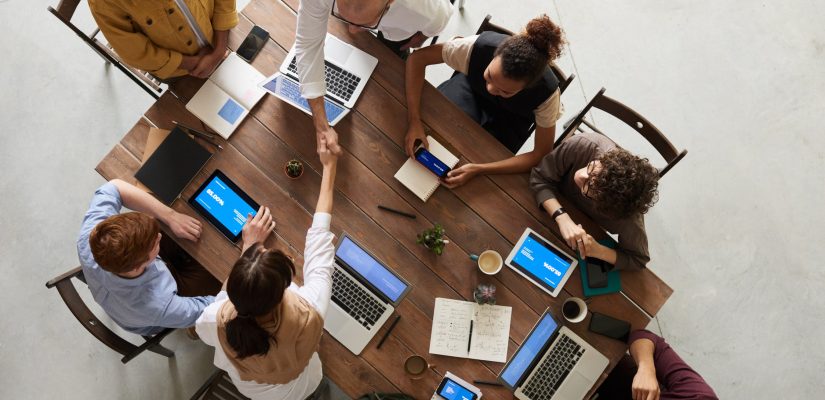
(224, 205)
(541, 260)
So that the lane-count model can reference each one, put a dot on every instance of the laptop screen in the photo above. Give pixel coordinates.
(531, 349)
(373, 271)
(541, 260)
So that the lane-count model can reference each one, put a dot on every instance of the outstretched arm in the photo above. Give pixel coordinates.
(414, 83)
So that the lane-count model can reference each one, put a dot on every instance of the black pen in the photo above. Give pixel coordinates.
(387, 334)
(487, 383)
(392, 210)
(189, 128)
(470, 339)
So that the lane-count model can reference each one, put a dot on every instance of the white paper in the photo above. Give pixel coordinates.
(239, 80)
(451, 330)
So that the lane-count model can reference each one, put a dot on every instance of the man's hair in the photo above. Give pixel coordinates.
(626, 184)
(122, 242)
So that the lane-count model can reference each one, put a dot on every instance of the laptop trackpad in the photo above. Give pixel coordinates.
(575, 385)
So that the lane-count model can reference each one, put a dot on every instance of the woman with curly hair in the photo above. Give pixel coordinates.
(502, 82)
(611, 185)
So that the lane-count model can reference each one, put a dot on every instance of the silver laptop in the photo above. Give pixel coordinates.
(365, 293)
(347, 71)
(552, 363)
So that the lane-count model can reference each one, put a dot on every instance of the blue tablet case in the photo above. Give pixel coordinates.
(614, 284)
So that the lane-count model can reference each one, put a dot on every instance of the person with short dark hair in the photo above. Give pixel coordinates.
(612, 186)
(266, 329)
(119, 254)
(652, 372)
(504, 83)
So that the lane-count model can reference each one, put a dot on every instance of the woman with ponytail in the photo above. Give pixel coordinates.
(265, 328)
(504, 83)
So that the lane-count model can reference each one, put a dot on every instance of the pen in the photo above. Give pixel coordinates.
(387, 334)
(189, 128)
(205, 136)
(470, 339)
(392, 210)
(487, 383)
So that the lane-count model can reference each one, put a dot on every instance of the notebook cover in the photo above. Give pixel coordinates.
(418, 178)
(614, 284)
(172, 166)
(217, 109)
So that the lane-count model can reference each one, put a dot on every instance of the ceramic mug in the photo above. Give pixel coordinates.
(489, 261)
(574, 310)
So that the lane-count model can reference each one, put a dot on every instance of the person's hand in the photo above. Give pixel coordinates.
(415, 42)
(328, 139)
(415, 133)
(184, 226)
(460, 175)
(328, 158)
(257, 228)
(208, 63)
(645, 385)
(572, 233)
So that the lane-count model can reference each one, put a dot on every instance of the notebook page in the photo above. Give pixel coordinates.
(491, 332)
(217, 109)
(418, 178)
(451, 327)
(239, 80)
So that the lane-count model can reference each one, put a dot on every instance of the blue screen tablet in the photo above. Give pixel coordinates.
(224, 205)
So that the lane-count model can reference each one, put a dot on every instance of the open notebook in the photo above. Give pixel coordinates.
(418, 178)
(469, 330)
(226, 98)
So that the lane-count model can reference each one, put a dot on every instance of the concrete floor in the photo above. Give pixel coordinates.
(738, 83)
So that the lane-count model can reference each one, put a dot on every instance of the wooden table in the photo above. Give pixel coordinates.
(487, 213)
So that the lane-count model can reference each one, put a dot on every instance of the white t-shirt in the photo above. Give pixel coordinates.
(319, 256)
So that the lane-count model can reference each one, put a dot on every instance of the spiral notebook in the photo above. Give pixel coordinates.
(418, 178)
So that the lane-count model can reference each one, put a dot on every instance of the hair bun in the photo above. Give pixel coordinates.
(545, 36)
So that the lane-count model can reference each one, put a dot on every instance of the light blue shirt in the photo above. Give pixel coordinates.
(144, 305)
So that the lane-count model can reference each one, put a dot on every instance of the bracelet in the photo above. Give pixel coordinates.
(558, 212)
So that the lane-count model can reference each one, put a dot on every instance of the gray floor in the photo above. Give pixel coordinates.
(738, 83)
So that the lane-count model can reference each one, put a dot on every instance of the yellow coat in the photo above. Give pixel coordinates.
(153, 35)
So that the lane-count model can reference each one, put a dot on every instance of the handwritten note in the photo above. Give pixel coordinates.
(451, 330)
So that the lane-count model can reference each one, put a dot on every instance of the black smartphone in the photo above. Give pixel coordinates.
(452, 390)
(596, 272)
(609, 326)
(254, 42)
(432, 162)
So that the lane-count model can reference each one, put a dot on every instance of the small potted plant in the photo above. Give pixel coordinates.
(433, 239)
(294, 169)
(485, 294)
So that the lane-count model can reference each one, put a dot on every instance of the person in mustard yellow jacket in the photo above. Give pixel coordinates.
(155, 35)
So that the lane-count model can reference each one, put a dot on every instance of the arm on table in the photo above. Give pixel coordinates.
(183, 226)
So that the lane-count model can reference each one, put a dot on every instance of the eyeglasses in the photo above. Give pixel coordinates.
(335, 14)
(591, 167)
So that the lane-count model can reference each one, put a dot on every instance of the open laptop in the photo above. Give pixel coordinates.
(552, 363)
(346, 71)
(365, 292)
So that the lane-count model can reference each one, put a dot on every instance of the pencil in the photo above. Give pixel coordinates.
(487, 383)
(208, 137)
(392, 210)
(387, 334)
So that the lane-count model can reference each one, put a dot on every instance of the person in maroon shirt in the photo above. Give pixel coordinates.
(654, 372)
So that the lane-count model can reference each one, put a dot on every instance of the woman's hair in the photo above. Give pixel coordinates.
(122, 242)
(525, 56)
(625, 185)
(256, 286)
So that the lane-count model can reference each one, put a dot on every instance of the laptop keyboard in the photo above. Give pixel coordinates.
(290, 90)
(339, 82)
(355, 300)
(553, 369)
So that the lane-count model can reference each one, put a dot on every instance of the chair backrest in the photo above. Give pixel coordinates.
(66, 289)
(633, 119)
(66, 8)
(218, 387)
(487, 26)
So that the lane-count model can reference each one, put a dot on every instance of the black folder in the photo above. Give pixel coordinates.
(173, 165)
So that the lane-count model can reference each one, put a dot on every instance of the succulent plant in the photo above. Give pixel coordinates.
(294, 168)
(485, 294)
(433, 239)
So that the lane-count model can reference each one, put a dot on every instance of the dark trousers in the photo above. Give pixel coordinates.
(396, 46)
(678, 380)
(192, 279)
(510, 129)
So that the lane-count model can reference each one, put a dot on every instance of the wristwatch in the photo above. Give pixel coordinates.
(558, 212)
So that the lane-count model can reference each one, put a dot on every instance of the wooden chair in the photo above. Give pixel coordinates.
(218, 387)
(64, 12)
(71, 297)
(639, 123)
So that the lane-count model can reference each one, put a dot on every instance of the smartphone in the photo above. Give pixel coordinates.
(609, 326)
(254, 42)
(432, 163)
(452, 390)
(596, 273)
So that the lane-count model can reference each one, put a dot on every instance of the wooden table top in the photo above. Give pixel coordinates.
(487, 213)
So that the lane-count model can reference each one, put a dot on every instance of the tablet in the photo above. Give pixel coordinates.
(224, 205)
(541, 262)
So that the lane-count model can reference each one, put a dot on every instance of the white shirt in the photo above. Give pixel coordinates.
(319, 256)
(402, 21)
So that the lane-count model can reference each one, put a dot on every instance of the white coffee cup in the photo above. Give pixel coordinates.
(574, 310)
(489, 261)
